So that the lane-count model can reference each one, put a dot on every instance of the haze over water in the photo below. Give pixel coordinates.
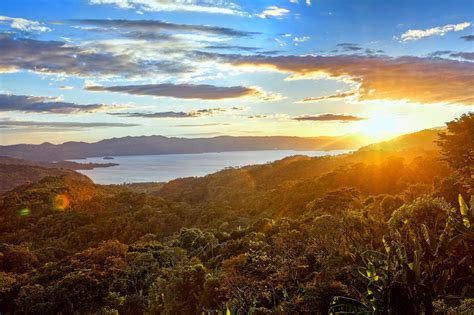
(163, 168)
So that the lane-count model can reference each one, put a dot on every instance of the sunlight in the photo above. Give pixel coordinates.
(382, 126)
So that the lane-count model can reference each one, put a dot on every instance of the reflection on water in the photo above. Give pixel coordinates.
(162, 168)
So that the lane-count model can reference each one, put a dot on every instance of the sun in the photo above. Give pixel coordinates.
(383, 125)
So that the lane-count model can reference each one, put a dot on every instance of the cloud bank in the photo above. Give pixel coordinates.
(12, 124)
(154, 26)
(183, 91)
(171, 114)
(377, 77)
(40, 104)
(55, 57)
(198, 6)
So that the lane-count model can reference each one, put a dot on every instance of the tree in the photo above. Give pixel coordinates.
(457, 143)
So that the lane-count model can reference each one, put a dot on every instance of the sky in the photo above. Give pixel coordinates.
(86, 70)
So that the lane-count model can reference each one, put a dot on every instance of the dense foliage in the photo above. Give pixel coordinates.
(373, 232)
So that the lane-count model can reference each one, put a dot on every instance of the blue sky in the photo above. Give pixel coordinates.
(93, 69)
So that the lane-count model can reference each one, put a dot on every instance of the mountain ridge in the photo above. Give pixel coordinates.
(151, 145)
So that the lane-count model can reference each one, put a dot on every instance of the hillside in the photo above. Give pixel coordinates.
(287, 237)
(15, 172)
(13, 175)
(147, 145)
(423, 140)
(61, 164)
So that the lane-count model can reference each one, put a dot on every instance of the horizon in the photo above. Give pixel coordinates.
(357, 136)
(98, 69)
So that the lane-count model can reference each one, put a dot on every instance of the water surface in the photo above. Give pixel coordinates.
(163, 168)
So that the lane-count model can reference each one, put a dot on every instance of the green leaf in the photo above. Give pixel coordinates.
(464, 211)
(386, 245)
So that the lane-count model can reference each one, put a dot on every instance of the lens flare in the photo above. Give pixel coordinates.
(61, 202)
(24, 212)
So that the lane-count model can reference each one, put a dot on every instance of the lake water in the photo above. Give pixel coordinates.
(163, 168)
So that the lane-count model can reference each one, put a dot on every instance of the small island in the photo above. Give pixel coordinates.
(108, 158)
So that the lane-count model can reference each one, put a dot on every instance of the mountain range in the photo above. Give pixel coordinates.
(154, 145)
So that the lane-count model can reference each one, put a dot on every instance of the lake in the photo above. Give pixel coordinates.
(163, 168)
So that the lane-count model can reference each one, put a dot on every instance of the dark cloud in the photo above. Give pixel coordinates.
(349, 47)
(232, 47)
(439, 53)
(329, 117)
(463, 55)
(170, 114)
(183, 91)
(61, 58)
(468, 38)
(61, 125)
(423, 80)
(334, 97)
(154, 26)
(39, 104)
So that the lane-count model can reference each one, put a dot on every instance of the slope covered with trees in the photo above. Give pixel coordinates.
(376, 231)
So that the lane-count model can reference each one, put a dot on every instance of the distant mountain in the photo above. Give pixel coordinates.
(148, 145)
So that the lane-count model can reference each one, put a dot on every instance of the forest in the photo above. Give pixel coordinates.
(387, 229)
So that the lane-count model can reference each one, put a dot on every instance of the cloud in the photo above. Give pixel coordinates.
(413, 35)
(25, 25)
(301, 39)
(55, 57)
(13, 124)
(308, 2)
(334, 97)
(185, 91)
(463, 55)
(203, 125)
(439, 53)
(199, 6)
(66, 87)
(40, 104)
(416, 79)
(149, 27)
(329, 117)
(467, 56)
(273, 11)
(232, 47)
(468, 38)
(349, 47)
(170, 114)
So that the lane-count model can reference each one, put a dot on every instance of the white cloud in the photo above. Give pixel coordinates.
(25, 25)
(203, 6)
(301, 39)
(308, 2)
(413, 35)
(273, 11)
